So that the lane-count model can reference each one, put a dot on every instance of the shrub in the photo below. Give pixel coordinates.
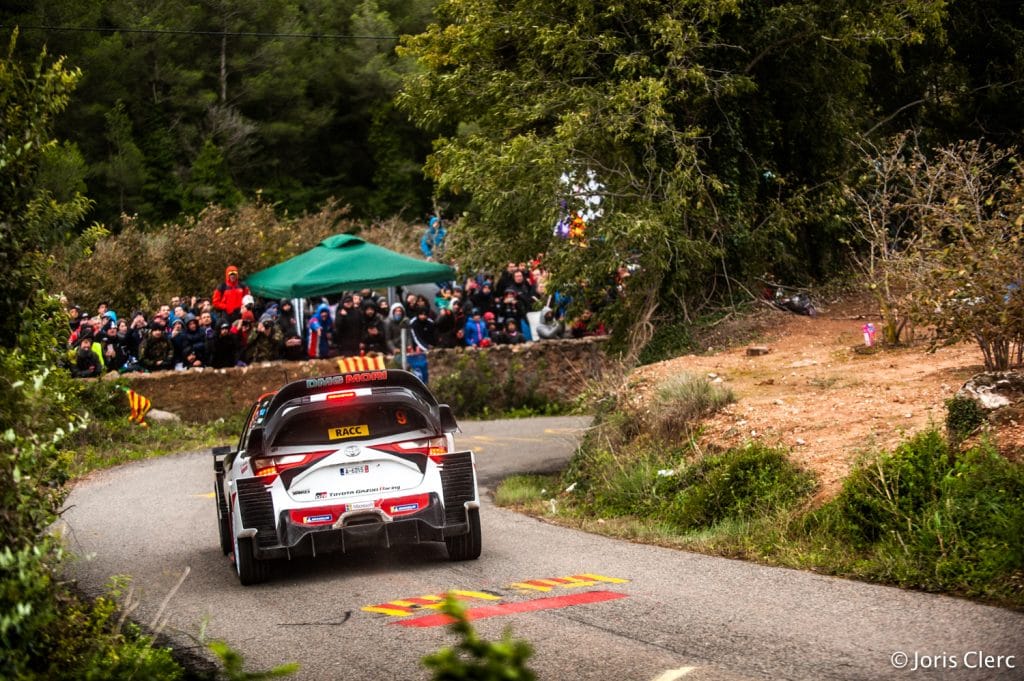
(469, 387)
(472, 388)
(140, 267)
(475, 658)
(963, 416)
(683, 401)
(890, 493)
(930, 518)
(671, 338)
(740, 484)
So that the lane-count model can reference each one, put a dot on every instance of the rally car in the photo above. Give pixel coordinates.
(336, 463)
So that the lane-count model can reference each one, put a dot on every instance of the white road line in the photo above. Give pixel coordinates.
(673, 674)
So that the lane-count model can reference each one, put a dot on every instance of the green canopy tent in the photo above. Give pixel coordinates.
(343, 262)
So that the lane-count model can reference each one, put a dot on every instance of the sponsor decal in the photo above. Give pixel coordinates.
(404, 507)
(358, 505)
(366, 377)
(342, 432)
(346, 379)
(300, 491)
(354, 470)
(326, 518)
(321, 495)
(245, 468)
(368, 490)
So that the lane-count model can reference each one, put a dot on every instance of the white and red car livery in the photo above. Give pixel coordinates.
(339, 462)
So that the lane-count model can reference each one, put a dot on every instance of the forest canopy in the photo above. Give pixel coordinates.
(710, 142)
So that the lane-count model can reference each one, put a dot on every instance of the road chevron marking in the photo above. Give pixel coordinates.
(573, 581)
(403, 607)
(410, 606)
(548, 603)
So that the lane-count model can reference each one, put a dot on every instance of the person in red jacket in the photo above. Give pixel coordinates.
(227, 297)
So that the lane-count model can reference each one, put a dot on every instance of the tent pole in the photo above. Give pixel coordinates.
(405, 345)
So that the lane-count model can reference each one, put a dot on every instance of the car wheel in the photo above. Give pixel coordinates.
(223, 523)
(250, 569)
(466, 546)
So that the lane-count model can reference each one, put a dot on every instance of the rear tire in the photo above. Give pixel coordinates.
(250, 569)
(466, 546)
(223, 522)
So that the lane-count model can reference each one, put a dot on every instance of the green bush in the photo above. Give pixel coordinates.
(887, 494)
(671, 339)
(469, 387)
(740, 484)
(930, 518)
(473, 388)
(475, 658)
(963, 416)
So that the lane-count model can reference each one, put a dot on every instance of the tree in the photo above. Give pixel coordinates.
(32, 214)
(125, 168)
(968, 202)
(718, 130)
(884, 234)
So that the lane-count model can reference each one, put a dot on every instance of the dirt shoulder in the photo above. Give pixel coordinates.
(815, 395)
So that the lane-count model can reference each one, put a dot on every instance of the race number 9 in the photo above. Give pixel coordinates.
(400, 417)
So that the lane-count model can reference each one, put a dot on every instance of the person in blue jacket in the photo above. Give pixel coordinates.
(320, 333)
(475, 329)
(433, 238)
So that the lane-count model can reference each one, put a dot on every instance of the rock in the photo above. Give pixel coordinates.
(800, 441)
(161, 416)
(758, 350)
(995, 389)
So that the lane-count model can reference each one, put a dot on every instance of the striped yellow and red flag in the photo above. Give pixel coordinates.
(140, 407)
(347, 365)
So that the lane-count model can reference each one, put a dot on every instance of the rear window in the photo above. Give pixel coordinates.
(348, 423)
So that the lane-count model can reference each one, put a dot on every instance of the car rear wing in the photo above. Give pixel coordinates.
(359, 379)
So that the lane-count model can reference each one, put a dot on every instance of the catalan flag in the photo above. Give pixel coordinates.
(347, 365)
(140, 407)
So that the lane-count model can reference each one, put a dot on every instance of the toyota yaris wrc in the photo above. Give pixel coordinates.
(335, 463)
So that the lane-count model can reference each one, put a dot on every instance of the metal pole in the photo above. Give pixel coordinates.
(405, 345)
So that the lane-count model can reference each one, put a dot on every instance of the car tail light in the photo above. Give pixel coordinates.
(269, 467)
(434, 447)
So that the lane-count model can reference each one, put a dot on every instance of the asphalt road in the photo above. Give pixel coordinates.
(592, 607)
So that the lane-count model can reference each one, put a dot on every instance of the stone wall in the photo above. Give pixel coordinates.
(556, 371)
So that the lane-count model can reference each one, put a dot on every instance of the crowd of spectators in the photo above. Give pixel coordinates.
(232, 328)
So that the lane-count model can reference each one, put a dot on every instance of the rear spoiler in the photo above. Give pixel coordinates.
(359, 379)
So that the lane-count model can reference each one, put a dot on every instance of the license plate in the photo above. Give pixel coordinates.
(354, 470)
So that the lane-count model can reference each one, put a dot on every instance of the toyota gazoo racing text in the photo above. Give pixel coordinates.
(334, 463)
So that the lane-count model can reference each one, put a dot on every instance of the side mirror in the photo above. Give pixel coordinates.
(254, 445)
(448, 424)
